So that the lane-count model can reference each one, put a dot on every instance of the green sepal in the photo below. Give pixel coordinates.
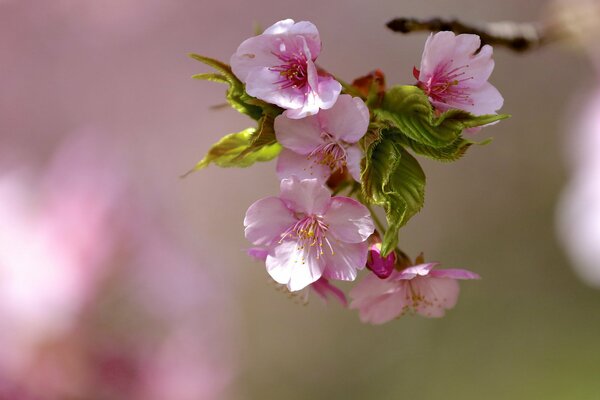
(408, 109)
(238, 150)
(236, 93)
(394, 180)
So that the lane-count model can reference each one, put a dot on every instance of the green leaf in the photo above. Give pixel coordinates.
(237, 150)
(262, 137)
(236, 93)
(393, 179)
(408, 109)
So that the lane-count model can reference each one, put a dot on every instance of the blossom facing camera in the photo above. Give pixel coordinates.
(454, 74)
(278, 67)
(326, 142)
(418, 289)
(309, 234)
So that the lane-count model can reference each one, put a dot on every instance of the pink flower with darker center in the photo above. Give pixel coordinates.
(454, 74)
(418, 289)
(321, 144)
(309, 234)
(278, 67)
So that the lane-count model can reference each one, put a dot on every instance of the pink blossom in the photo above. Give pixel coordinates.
(380, 266)
(278, 67)
(325, 290)
(455, 75)
(321, 286)
(323, 143)
(309, 234)
(417, 289)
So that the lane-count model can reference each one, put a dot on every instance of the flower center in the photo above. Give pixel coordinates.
(331, 153)
(310, 233)
(293, 70)
(448, 85)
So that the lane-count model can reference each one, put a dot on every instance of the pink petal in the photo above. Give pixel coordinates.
(465, 46)
(454, 274)
(279, 27)
(292, 264)
(439, 294)
(303, 28)
(439, 49)
(354, 156)
(258, 253)
(349, 220)
(264, 84)
(312, 101)
(293, 164)
(347, 120)
(383, 308)
(307, 196)
(487, 100)
(266, 220)
(481, 66)
(300, 135)
(323, 288)
(416, 270)
(329, 89)
(346, 259)
(255, 53)
(372, 286)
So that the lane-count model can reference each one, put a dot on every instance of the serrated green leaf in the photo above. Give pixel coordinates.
(236, 93)
(263, 136)
(235, 150)
(393, 179)
(408, 109)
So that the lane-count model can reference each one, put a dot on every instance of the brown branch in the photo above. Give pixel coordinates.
(514, 36)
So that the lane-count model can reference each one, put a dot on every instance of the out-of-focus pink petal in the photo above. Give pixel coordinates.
(266, 220)
(346, 260)
(416, 270)
(353, 158)
(258, 253)
(381, 308)
(325, 289)
(308, 196)
(454, 274)
(291, 264)
(439, 295)
(300, 135)
(291, 164)
(349, 220)
(347, 120)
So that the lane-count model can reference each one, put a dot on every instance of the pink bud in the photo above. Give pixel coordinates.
(381, 266)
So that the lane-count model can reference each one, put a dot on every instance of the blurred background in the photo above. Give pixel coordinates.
(119, 280)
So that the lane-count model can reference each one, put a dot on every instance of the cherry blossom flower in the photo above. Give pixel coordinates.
(309, 234)
(278, 67)
(417, 289)
(323, 143)
(380, 266)
(455, 75)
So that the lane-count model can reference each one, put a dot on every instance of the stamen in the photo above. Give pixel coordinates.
(310, 233)
(293, 71)
(331, 154)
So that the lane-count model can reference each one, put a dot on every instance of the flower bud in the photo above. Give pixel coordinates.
(381, 266)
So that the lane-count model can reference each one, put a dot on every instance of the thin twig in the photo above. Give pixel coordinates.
(514, 36)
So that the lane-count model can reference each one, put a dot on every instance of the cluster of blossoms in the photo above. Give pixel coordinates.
(332, 137)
